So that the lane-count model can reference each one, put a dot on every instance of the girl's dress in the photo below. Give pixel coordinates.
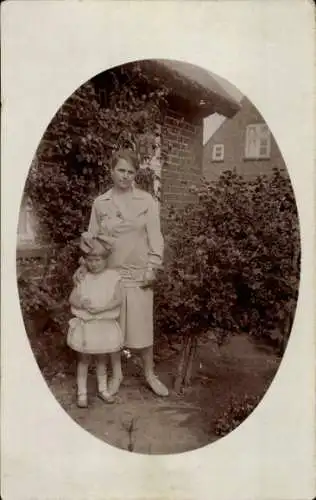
(138, 244)
(96, 333)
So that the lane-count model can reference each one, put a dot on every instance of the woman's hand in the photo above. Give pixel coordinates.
(94, 310)
(79, 275)
(113, 304)
(149, 278)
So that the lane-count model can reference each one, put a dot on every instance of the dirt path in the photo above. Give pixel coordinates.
(180, 422)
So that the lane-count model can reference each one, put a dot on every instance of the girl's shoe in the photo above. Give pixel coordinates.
(106, 397)
(82, 401)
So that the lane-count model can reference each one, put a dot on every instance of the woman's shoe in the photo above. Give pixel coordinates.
(106, 397)
(82, 401)
(156, 386)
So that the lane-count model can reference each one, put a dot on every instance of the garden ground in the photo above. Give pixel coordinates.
(144, 423)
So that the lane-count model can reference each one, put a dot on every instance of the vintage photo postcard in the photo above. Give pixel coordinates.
(158, 250)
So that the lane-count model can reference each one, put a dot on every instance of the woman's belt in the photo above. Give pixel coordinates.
(132, 277)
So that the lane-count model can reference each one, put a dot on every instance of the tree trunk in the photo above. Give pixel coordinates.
(191, 355)
(181, 366)
(184, 371)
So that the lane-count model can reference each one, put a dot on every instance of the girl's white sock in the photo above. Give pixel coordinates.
(82, 377)
(102, 377)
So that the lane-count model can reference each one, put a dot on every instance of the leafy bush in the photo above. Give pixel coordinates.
(71, 167)
(232, 257)
(72, 164)
(233, 260)
(46, 313)
(232, 265)
(238, 410)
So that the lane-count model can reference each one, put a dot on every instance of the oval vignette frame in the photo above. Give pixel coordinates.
(251, 124)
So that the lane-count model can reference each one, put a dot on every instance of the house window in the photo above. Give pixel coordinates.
(26, 224)
(258, 141)
(218, 152)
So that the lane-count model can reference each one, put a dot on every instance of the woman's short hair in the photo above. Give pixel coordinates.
(127, 155)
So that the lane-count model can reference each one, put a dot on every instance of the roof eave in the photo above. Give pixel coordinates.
(226, 108)
(218, 105)
(189, 90)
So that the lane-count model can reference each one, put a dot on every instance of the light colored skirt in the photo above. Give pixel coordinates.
(96, 336)
(136, 317)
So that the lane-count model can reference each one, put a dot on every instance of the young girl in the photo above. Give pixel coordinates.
(95, 303)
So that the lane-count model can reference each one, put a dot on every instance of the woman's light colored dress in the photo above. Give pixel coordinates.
(138, 245)
(97, 333)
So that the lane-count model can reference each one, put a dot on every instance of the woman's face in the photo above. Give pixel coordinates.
(123, 174)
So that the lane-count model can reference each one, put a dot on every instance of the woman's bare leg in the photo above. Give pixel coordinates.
(153, 381)
(117, 375)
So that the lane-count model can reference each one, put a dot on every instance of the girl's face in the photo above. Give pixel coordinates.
(96, 263)
(123, 175)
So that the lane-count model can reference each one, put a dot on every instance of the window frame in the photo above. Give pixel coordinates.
(215, 157)
(262, 133)
(26, 232)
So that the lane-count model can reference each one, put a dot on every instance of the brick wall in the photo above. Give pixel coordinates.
(232, 134)
(182, 148)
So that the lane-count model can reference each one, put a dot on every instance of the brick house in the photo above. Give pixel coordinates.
(245, 143)
(195, 94)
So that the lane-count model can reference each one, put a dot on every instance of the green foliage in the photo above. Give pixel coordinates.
(233, 260)
(72, 164)
(232, 257)
(34, 297)
(71, 167)
(232, 265)
(237, 411)
(46, 313)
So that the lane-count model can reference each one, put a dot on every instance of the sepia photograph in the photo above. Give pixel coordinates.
(157, 246)
(158, 256)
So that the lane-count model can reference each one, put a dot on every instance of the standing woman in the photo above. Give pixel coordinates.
(130, 216)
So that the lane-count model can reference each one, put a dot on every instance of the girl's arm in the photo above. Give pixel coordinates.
(115, 302)
(75, 300)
